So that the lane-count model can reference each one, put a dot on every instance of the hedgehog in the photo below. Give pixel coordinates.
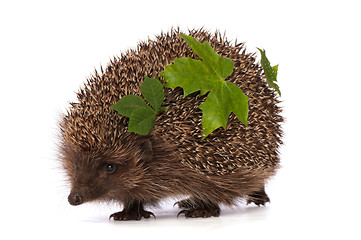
(104, 162)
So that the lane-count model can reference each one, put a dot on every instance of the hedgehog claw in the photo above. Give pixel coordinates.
(256, 202)
(181, 204)
(147, 214)
(181, 212)
(124, 216)
(186, 203)
(201, 212)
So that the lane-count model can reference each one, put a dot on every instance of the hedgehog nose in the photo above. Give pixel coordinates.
(75, 199)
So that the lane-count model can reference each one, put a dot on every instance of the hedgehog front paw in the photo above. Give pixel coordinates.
(131, 215)
(133, 211)
(200, 212)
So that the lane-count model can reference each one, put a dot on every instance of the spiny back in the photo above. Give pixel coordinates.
(92, 125)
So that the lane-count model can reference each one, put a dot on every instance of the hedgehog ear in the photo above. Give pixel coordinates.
(146, 150)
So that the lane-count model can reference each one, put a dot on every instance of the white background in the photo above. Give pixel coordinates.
(49, 48)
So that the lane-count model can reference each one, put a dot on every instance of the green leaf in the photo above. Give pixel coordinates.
(127, 104)
(220, 103)
(141, 116)
(163, 109)
(223, 67)
(141, 121)
(270, 72)
(152, 91)
(208, 76)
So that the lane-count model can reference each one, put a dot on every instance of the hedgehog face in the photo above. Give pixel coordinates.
(91, 179)
(107, 175)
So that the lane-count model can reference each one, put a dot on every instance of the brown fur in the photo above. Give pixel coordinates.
(172, 161)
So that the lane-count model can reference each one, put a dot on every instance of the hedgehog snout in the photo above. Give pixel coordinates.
(75, 199)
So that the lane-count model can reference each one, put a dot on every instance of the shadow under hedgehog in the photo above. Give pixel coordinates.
(104, 162)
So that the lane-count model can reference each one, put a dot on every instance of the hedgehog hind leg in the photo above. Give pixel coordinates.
(259, 198)
(197, 208)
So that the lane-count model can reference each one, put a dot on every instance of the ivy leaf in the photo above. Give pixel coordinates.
(208, 76)
(141, 116)
(270, 72)
(141, 121)
(152, 91)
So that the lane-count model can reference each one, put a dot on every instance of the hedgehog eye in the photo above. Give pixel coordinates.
(110, 168)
